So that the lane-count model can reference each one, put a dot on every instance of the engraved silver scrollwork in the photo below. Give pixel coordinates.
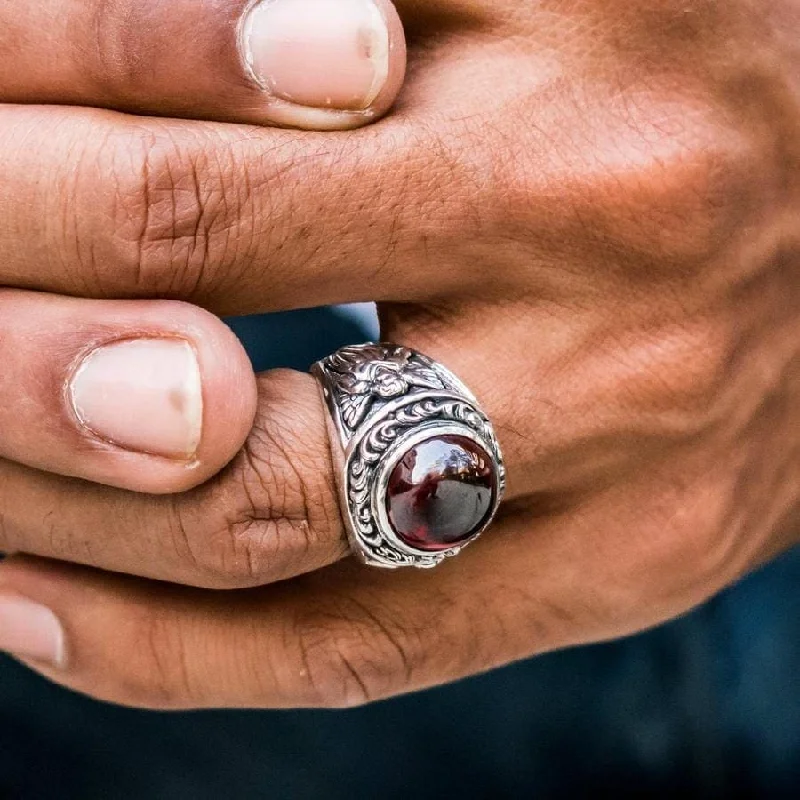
(384, 399)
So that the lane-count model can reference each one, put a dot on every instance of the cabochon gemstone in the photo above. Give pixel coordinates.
(441, 492)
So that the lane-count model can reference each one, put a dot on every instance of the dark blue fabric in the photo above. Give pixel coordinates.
(707, 706)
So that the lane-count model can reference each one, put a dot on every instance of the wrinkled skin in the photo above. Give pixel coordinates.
(587, 210)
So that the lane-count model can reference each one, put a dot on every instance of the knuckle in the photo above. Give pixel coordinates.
(695, 375)
(153, 672)
(682, 204)
(672, 379)
(170, 205)
(694, 545)
(662, 185)
(127, 52)
(275, 511)
(206, 551)
(352, 656)
(242, 551)
(713, 545)
(116, 61)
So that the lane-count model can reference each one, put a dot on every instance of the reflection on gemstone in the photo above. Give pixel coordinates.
(441, 492)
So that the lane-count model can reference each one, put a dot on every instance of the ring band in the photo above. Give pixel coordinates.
(419, 469)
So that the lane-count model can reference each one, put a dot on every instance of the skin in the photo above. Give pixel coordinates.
(586, 209)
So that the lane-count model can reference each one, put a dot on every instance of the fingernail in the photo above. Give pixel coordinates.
(28, 630)
(318, 53)
(144, 395)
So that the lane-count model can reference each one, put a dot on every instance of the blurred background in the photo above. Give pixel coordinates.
(707, 706)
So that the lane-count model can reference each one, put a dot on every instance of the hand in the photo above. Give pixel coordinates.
(586, 209)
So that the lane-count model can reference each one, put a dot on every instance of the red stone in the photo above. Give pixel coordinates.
(441, 493)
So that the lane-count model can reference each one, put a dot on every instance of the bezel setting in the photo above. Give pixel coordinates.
(387, 431)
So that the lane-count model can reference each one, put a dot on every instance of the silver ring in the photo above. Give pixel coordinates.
(419, 469)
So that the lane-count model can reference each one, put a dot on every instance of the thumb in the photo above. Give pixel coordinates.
(311, 64)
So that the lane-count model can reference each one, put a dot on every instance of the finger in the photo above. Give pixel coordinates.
(303, 63)
(153, 396)
(233, 219)
(337, 638)
(347, 635)
(272, 513)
